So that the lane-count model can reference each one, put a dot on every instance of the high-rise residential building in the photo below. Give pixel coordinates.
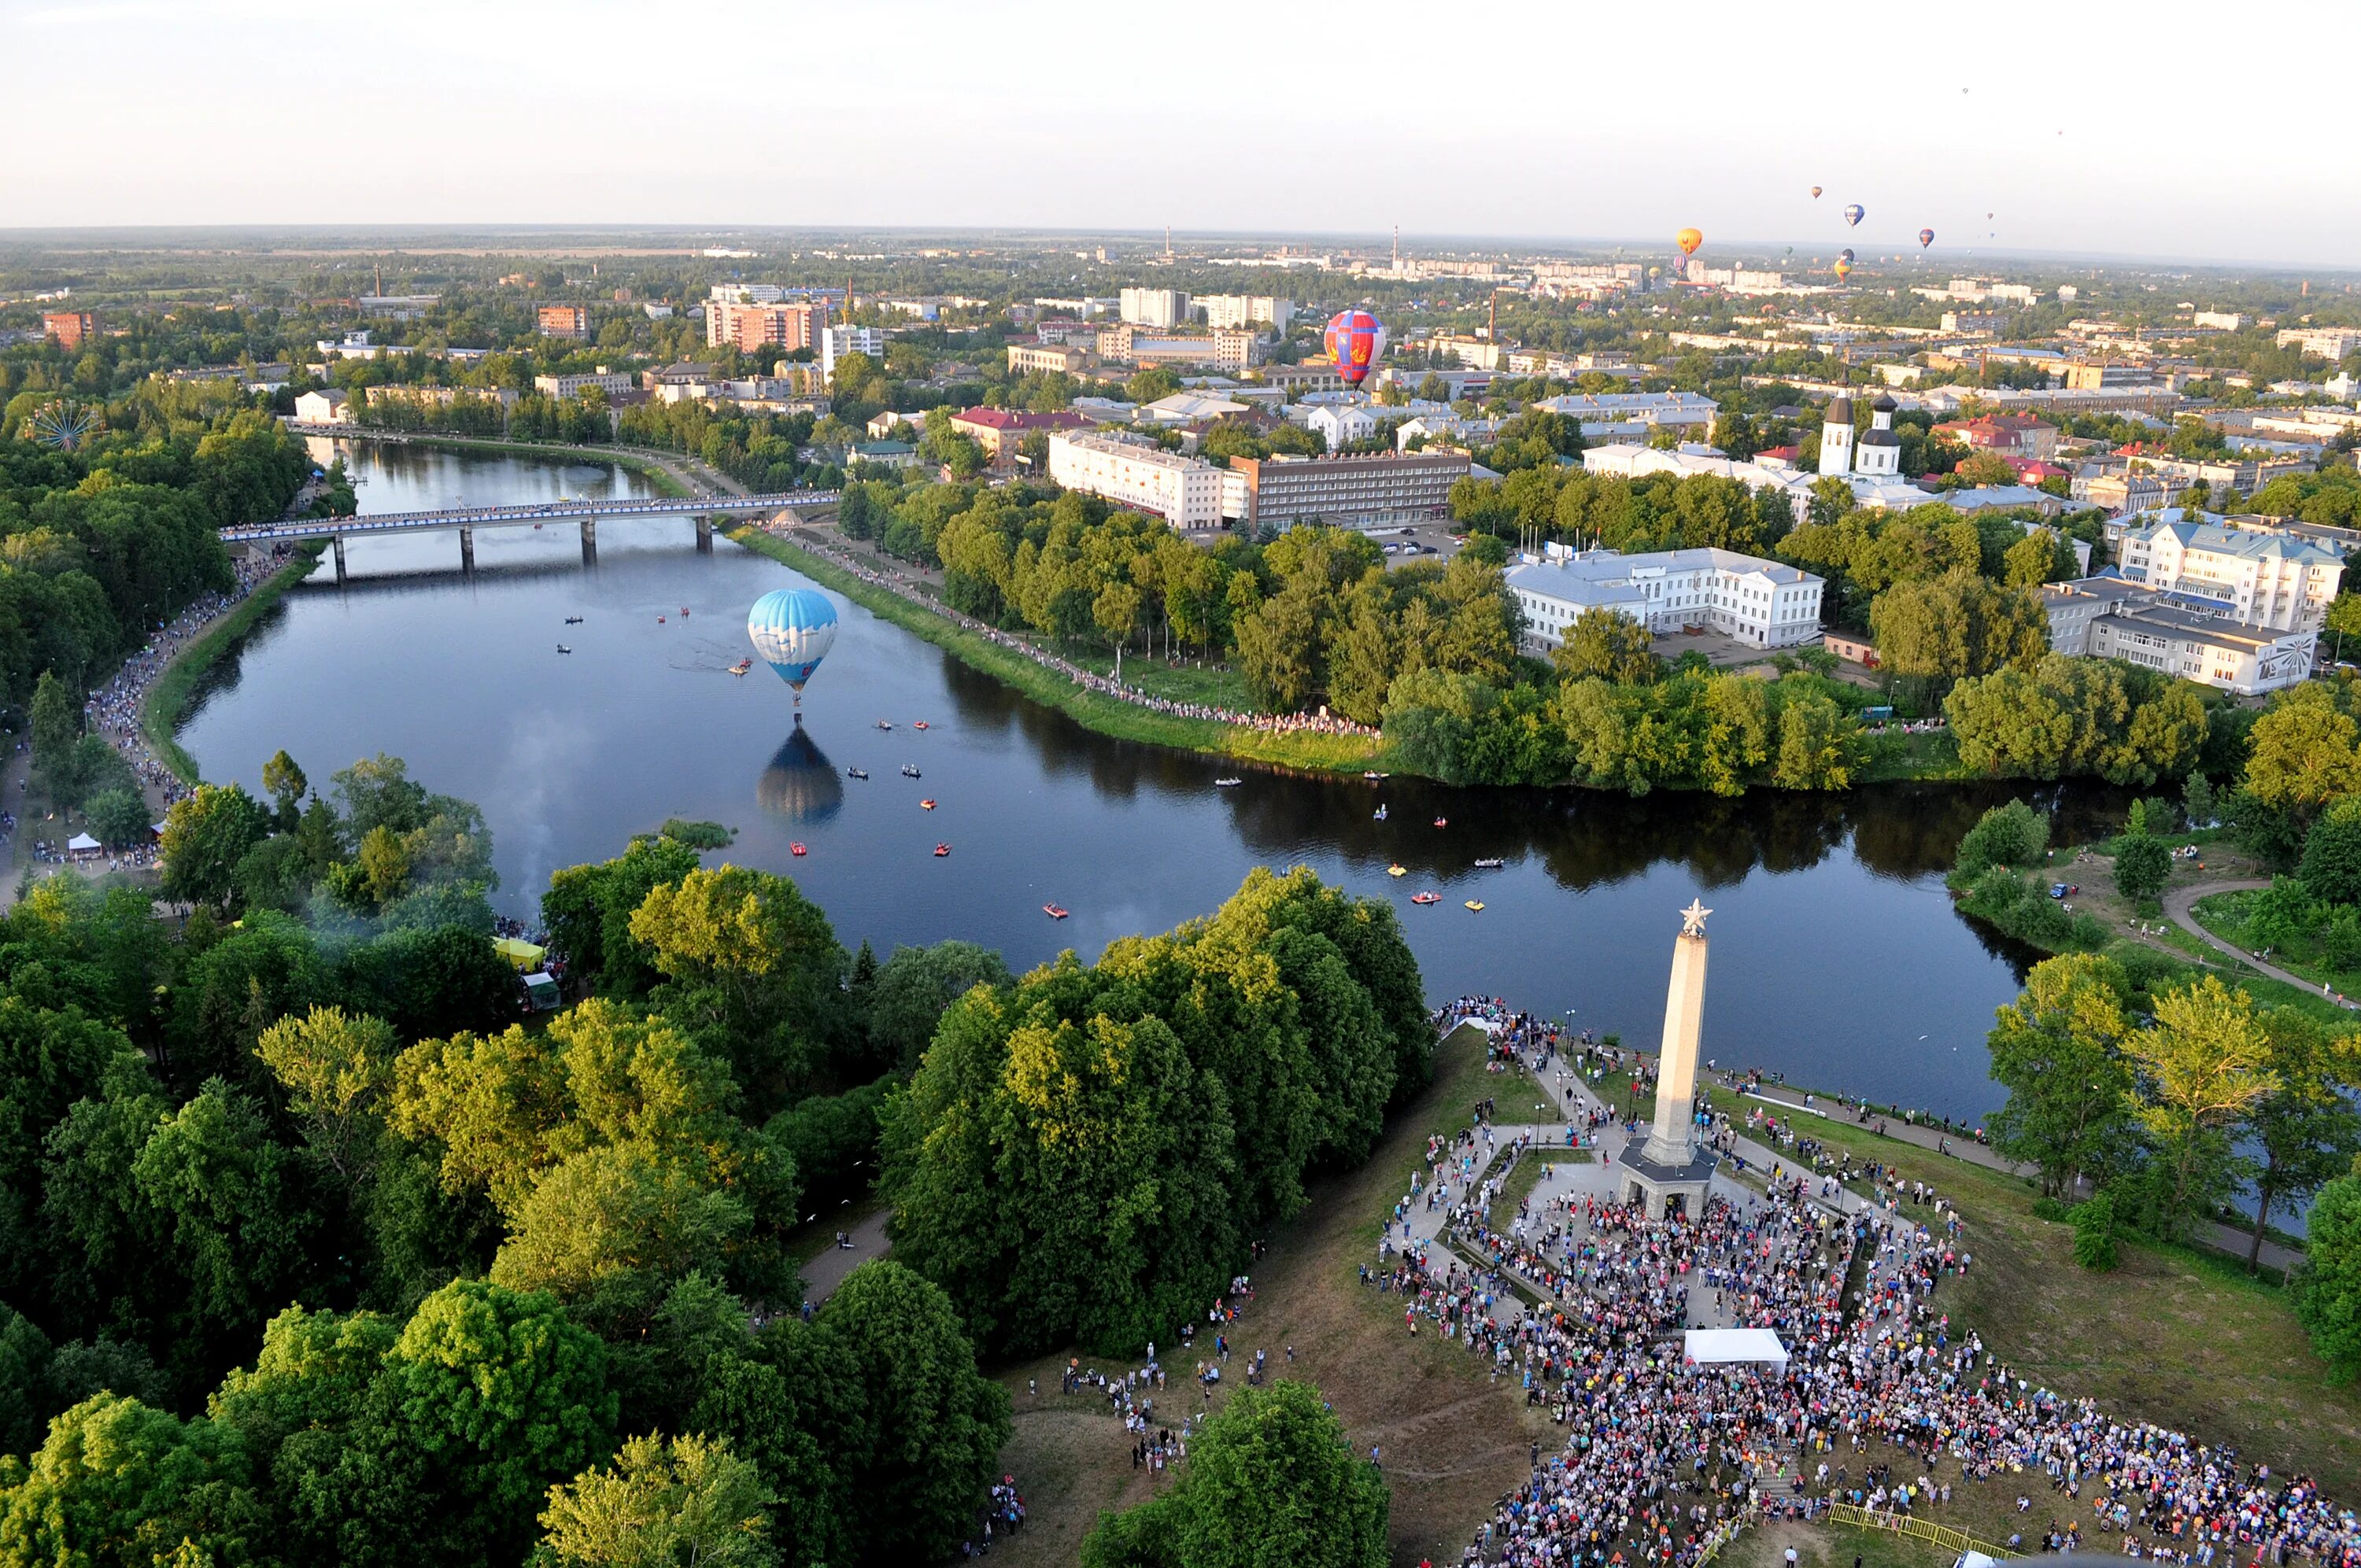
(562, 321)
(1247, 309)
(750, 326)
(1155, 307)
(69, 328)
(2256, 579)
(836, 342)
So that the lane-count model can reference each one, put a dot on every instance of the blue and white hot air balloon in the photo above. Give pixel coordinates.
(791, 629)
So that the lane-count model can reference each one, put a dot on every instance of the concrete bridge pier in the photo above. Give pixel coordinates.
(589, 541)
(340, 557)
(466, 550)
(705, 536)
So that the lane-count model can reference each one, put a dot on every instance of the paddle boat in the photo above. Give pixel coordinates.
(564, 649)
(926, 804)
(741, 666)
(920, 724)
(683, 612)
(1443, 822)
(856, 773)
(1426, 898)
(882, 725)
(1054, 911)
(573, 621)
(1492, 865)
(908, 772)
(1379, 814)
(796, 850)
(941, 850)
(660, 621)
(1228, 784)
(1396, 870)
(1476, 905)
(1374, 777)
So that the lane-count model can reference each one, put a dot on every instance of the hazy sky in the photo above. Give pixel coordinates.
(1548, 119)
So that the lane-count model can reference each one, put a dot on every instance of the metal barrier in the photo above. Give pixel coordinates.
(1942, 1535)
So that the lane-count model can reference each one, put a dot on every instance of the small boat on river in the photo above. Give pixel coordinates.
(1492, 865)
(1379, 814)
(1054, 911)
(796, 850)
(1397, 870)
(1426, 897)
(908, 772)
(741, 666)
(856, 773)
(564, 649)
(920, 724)
(1228, 784)
(573, 621)
(1443, 822)
(942, 850)
(926, 804)
(1476, 905)
(882, 725)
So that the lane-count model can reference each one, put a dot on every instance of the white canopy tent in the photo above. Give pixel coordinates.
(81, 843)
(1724, 1347)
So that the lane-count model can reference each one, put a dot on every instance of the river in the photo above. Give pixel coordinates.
(1836, 957)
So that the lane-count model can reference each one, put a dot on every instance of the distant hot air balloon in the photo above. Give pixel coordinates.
(1988, 217)
(1925, 238)
(1815, 192)
(1689, 240)
(1357, 339)
(1845, 256)
(1844, 270)
(792, 629)
(1854, 213)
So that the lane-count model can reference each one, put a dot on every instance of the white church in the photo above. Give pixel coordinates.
(1872, 465)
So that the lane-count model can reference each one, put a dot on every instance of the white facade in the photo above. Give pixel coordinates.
(1836, 438)
(1630, 462)
(836, 342)
(1764, 603)
(614, 383)
(1247, 309)
(321, 407)
(2328, 342)
(1679, 408)
(2258, 580)
(1155, 307)
(1185, 491)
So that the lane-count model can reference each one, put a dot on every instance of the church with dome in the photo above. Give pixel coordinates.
(1871, 464)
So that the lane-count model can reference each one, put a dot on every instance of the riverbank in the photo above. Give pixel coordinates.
(655, 467)
(1309, 752)
(168, 700)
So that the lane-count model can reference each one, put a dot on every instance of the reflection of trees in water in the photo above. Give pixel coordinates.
(799, 784)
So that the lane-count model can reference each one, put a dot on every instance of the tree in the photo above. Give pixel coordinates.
(2345, 616)
(1149, 385)
(2307, 1127)
(929, 1427)
(336, 1067)
(2328, 1287)
(1959, 624)
(2011, 835)
(2330, 868)
(2143, 865)
(284, 783)
(206, 834)
(2202, 1064)
(1605, 645)
(117, 818)
(687, 1503)
(56, 729)
(2306, 751)
(1272, 1482)
(2058, 1051)
(2094, 1232)
(118, 1483)
(912, 989)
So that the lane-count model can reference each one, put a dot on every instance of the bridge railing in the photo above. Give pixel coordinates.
(1892, 1523)
(460, 517)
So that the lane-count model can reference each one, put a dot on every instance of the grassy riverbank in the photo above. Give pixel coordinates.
(168, 700)
(1106, 715)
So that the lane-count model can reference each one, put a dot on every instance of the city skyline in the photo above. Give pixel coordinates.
(1223, 123)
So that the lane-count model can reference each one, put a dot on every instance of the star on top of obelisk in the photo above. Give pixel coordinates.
(1693, 918)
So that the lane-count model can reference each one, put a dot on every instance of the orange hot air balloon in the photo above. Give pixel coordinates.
(1844, 270)
(1689, 240)
(1815, 192)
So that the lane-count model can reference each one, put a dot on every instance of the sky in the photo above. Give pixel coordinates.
(2082, 125)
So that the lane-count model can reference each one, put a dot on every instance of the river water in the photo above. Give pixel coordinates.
(1836, 957)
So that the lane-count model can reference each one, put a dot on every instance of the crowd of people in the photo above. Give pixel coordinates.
(1322, 723)
(1884, 1403)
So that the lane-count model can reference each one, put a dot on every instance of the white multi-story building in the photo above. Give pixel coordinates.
(1767, 604)
(614, 383)
(836, 342)
(1184, 491)
(1155, 307)
(1679, 409)
(2266, 581)
(1629, 461)
(2112, 617)
(1247, 309)
(2328, 342)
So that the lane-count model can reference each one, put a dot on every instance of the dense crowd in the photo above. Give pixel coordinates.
(1884, 1404)
(1323, 723)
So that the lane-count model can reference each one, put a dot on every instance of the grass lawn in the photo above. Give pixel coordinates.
(1454, 1440)
(1216, 685)
(2174, 1336)
(1929, 755)
(2229, 916)
(1528, 1174)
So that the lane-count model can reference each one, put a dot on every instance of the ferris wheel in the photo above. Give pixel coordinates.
(63, 425)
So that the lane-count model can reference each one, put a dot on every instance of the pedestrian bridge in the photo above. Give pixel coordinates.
(467, 520)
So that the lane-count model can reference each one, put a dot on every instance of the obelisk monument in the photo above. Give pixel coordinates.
(1669, 1172)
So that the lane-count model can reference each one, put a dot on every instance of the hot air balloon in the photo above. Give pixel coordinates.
(1689, 240)
(1854, 213)
(1815, 192)
(792, 629)
(1845, 256)
(1357, 339)
(1843, 270)
(1925, 238)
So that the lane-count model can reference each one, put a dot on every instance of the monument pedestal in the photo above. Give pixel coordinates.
(1656, 1189)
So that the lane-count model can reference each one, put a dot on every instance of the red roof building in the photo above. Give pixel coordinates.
(998, 431)
(2003, 436)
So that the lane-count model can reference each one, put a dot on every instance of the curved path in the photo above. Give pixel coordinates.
(2179, 901)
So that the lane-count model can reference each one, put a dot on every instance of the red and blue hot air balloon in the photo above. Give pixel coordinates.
(1357, 339)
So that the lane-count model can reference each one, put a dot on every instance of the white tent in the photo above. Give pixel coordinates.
(81, 843)
(1721, 1347)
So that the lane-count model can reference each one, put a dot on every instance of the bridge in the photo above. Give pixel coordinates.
(467, 520)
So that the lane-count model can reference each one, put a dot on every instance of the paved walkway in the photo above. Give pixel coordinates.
(2180, 903)
(823, 1274)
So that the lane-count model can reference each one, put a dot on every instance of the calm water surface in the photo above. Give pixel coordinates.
(1836, 957)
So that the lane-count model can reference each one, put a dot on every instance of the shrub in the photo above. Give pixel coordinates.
(2094, 1232)
(2011, 835)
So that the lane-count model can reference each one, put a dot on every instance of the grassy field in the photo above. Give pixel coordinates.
(168, 700)
(1454, 1440)
(1528, 1174)
(2174, 1336)
(1216, 685)
(2229, 915)
(1108, 716)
